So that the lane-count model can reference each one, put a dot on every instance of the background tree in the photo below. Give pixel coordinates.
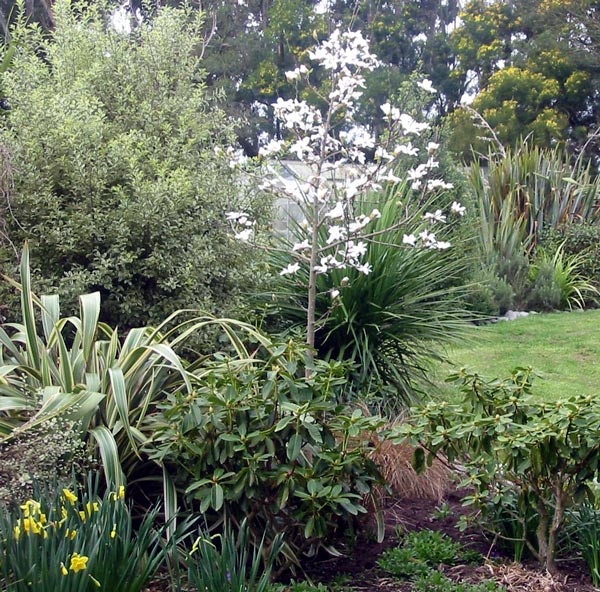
(524, 75)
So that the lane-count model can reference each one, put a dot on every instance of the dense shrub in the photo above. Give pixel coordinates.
(261, 440)
(44, 453)
(116, 184)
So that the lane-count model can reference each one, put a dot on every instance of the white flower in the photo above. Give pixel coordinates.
(428, 238)
(291, 269)
(457, 208)
(356, 251)
(409, 239)
(337, 213)
(301, 246)
(366, 268)
(343, 51)
(407, 149)
(296, 73)
(359, 223)
(410, 125)
(442, 245)
(244, 235)
(301, 147)
(392, 112)
(438, 184)
(334, 293)
(390, 177)
(434, 217)
(432, 147)
(426, 85)
(354, 187)
(336, 233)
(272, 147)
(375, 214)
(418, 173)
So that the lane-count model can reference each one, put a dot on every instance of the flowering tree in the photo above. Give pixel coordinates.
(335, 151)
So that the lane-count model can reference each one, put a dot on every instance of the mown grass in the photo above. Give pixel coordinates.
(562, 348)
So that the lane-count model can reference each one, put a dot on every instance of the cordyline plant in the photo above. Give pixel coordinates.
(333, 149)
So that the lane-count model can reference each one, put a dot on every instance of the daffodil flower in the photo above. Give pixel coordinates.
(78, 562)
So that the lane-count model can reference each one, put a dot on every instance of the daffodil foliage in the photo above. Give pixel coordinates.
(66, 540)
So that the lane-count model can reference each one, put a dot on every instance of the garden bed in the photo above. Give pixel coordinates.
(357, 570)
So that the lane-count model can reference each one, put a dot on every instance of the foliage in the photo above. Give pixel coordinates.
(532, 189)
(299, 587)
(259, 439)
(489, 295)
(522, 194)
(584, 532)
(421, 551)
(222, 562)
(511, 445)
(83, 371)
(581, 239)
(119, 189)
(557, 280)
(52, 451)
(436, 581)
(389, 322)
(74, 543)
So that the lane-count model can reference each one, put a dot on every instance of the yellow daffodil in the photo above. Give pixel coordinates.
(113, 532)
(17, 531)
(30, 508)
(63, 570)
(118, 495)
(32, 526)
(78, 562)
(70, 496)
(92, 507)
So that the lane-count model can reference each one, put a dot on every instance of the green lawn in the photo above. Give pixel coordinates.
(563, 348)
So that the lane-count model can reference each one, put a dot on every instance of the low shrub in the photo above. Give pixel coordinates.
(537, 457)
(422, 551)
(44, 453)
(223, 561)
(119, 187)
(583, 534)
(265, 440)
(557, 281)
